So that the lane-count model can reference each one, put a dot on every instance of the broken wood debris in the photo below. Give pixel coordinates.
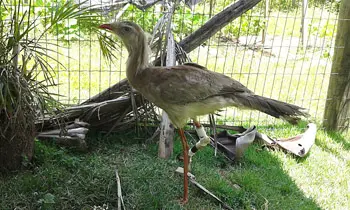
(72, 135)
(111, 110)
(192, 179)
(119, 192)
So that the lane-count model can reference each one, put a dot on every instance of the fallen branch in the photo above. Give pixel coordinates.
(201, 187)
(112, 92)
(70, 132)
(216, 23)
(59, 137)
(119, 192)
(99, 114)
(72, 135)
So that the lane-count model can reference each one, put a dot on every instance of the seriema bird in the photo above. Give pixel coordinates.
(189, 90)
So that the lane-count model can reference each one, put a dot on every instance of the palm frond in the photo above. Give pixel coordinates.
(27, 64)
(108, 46)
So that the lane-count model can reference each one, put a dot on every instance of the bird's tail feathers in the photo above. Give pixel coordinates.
(275, 108)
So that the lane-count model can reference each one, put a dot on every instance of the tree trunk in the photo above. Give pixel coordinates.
(16, 140)
(216, 23)
(17, 126)
(337, 111)
(166, 137)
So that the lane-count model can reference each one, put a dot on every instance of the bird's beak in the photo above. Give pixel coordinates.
(106, 26)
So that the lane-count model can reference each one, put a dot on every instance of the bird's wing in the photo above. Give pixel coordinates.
(187, 83)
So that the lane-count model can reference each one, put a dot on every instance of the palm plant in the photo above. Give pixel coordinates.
(26, 74)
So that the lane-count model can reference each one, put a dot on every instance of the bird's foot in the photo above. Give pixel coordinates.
(184, 201)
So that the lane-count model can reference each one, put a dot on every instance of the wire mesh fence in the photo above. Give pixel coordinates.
(276, 62)
(279, 49)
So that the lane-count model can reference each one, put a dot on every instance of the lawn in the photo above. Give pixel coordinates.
(61, 178)
(263, 179)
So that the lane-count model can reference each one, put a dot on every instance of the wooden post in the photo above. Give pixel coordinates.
(266, 12)
(166, 137)
(337, 111)
(304, 25)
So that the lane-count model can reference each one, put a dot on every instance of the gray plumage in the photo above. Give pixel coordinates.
(187, 91)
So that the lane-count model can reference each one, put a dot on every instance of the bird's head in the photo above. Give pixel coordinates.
(130, 33)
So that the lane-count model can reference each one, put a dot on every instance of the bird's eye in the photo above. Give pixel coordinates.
(126, 29)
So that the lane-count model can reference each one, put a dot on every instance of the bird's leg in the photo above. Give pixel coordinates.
(185, 148)
(204, 140)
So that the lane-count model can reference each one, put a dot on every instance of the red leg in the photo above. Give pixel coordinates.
(185, 154)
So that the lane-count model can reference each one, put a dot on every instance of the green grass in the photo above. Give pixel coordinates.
(267, 179)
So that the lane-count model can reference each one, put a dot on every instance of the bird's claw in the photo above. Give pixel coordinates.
(184, 201)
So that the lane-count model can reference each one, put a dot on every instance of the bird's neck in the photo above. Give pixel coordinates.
(138, 58)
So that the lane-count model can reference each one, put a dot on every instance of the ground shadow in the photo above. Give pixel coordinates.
(82, 181)
(258, 181)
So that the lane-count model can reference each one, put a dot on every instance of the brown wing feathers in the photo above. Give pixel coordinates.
(195, 83)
